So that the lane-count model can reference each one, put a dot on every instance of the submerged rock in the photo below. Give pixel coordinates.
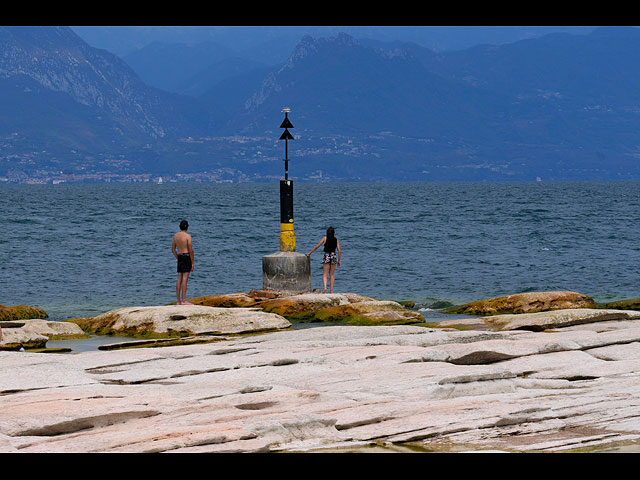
(529, 302)
(181, 320)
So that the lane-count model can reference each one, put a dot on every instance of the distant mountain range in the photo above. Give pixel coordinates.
(557, 107)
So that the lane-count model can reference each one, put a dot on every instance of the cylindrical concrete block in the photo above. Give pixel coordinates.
(290, 271)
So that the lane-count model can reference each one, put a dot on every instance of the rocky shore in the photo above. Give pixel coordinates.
(237, 378)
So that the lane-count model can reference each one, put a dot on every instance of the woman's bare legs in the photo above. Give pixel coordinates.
(325, 270)
(331, 273)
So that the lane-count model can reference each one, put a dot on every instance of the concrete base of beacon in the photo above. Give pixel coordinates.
(289, 271)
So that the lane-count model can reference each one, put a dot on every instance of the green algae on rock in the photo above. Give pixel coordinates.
(374, 312)
(20, 312)
(633, 304)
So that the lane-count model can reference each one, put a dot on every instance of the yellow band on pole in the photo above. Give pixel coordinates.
(286, 227)
(287, 240)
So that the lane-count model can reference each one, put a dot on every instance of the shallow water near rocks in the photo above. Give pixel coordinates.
(88, 344)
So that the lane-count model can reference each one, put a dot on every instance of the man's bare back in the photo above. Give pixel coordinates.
(181, 243)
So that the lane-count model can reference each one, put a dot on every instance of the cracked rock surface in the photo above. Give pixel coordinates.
(334, 387)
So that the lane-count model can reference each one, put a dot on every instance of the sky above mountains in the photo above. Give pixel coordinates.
(123, 40)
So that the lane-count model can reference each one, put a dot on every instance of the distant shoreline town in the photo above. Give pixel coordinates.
(44, 179)
(222, 176)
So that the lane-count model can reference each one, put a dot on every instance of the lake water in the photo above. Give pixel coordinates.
(80, 250)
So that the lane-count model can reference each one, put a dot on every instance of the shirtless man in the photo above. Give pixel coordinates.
(183, 251)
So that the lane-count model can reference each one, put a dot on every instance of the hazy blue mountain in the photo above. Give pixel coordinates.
(336, 85)
(164, 57)
(572, 89)
(577, 68)
(208, 78)
(169, 66)
(227, 98)
(64, 101)
(561, 106)
(557, 107)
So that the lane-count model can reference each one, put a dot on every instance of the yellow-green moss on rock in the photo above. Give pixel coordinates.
(349, 309)
(633, 304)
(21, 312)
(373, 312)
(304, 306)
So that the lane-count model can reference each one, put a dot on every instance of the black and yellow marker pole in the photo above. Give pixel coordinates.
(287, 235)
(286, 270)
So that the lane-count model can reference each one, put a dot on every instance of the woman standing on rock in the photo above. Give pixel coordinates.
(329, 259)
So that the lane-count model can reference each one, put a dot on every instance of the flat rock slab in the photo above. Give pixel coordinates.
(182, 320)
(34, 333)
(540, 321)
(334, 387)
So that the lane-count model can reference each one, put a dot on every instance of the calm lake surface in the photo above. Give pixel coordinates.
(79, 250)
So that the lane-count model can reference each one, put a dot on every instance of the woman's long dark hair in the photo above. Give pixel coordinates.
(330, 232)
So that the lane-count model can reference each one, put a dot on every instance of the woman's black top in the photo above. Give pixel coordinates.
(330, 244)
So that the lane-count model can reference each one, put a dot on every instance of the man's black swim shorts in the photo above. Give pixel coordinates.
(184, 262)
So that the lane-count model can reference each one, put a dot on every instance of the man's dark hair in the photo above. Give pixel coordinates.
(184, 225)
